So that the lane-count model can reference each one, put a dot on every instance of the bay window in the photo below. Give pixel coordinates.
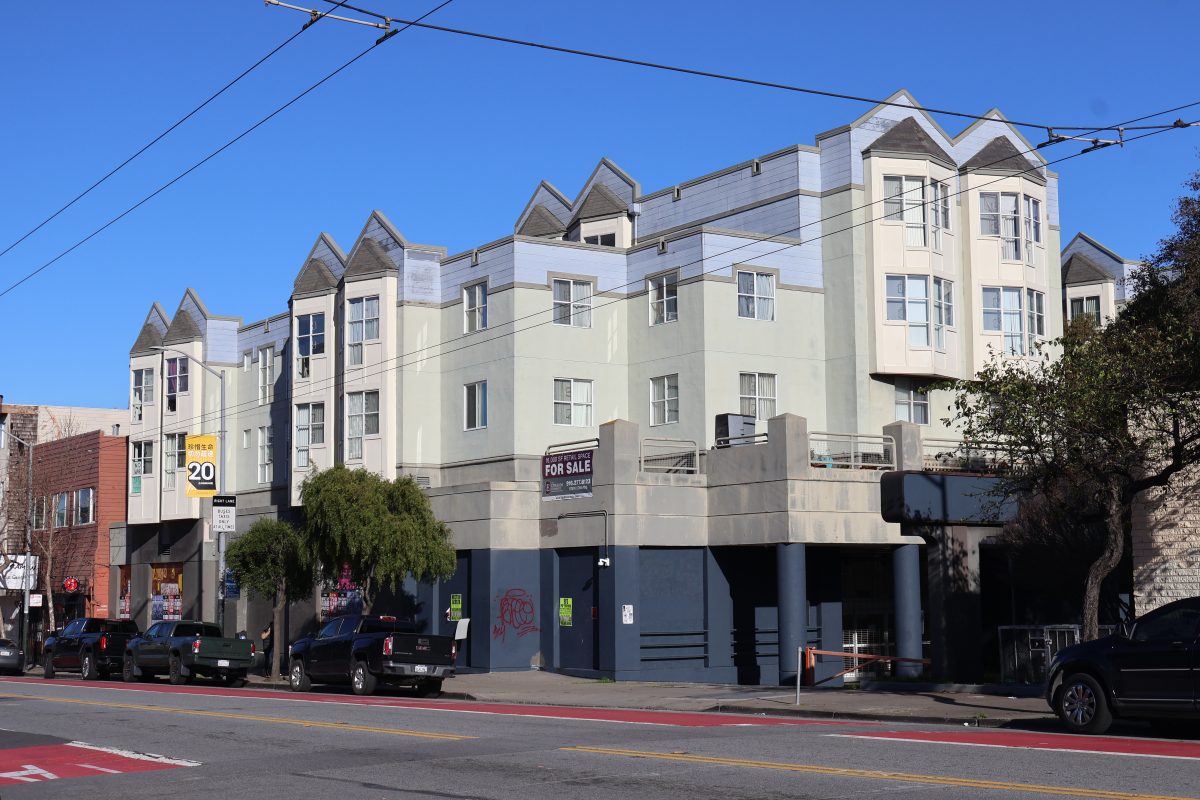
(904, 200)
(907, 299)
(362, 419)
(310, 341)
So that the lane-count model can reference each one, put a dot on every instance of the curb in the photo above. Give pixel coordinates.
(930, 719)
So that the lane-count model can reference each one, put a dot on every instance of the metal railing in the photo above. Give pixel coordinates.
(851, 450)
(578, 444)
(952, 455)
(673, 456)
(733, 441)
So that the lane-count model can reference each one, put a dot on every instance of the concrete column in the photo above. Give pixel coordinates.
(908, 444)
(906, 574)
(787, 440)
(791, 569)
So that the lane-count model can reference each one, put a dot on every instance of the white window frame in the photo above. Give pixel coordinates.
(1006, 320)
(1033, 227)
(266, 458)
(479, 390)
(245, 438)
(361, 326)
(601, 239)
(475, 297)
(575, 312)
(310, 432)
(309, 344)
(1083, 310)
(914, 306)
(85, 506)
(910, 403)
(759, 303)
(943, 311)
(663, 293)
(1035, 303)
(940, 206)
(141, 464)
(763, 406)
(266, 375)
(663, 390)
(174, 447)
(357, 408)
(179, 380)
(40, 515)
(1002, 224)
(143, 392)
(576, 412)
(247, 358)
(62, 510)
(904, 201)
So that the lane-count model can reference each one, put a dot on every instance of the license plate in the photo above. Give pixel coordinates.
(6, 652)
(420, 669)
(222, 662)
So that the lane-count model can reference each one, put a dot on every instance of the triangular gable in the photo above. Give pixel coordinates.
(540, 222)
(329, 253)
(612, 177)
(1080, 269)
(551, 200)
(189, 321)
(600, 202)
(314, 278)
(368, 258)
(994, 124)
(153, 329)
(907, 136)
(1002, 155)
(1085, 243)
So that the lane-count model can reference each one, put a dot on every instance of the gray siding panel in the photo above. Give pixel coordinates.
(835, 162)
(222, 341)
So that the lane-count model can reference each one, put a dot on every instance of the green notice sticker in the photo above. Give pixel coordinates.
(455, 607)
(565, 612)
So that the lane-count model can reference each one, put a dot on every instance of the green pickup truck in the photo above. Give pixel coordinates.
(183, 649)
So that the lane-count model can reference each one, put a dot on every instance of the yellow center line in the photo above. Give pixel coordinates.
(936, 780)
(193, 712)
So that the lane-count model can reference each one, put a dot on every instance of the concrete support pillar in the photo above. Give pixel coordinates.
(955, 609)
(791, 574)
(906, 574)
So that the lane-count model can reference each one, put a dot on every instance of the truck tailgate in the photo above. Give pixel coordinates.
(422, 649)
(231, 649)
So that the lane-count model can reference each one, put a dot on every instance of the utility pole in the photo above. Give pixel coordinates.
(28, 544)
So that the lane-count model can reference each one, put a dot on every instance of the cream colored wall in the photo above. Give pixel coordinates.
(319, 387)
(420, 384)
(144, 507)
(376, 374)
(1105, 291)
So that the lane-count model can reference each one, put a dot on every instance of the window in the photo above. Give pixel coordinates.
(362, 419)
(999, 216)
(143, 464)
(940, 207)
(573, 303)
(177, 380)
(572, 402)
(174, 455)
(245, 438)
(1173, 625)
(907, 298)
(1002, 313)
(664, 400)
(85, 506)
(603, 239)
(310, 340)
(475, 307)
(266, 375)
(363, 327)
(757, 394)
(475, 406)
(943, 311)
(245, 362)
(904, 200)
(39, 514)
(756, 295)
(1035, 304)
(1086, 307)
(143, 392)
(664, 298)
(265, 459)
(61, 506)
(1033, 226)
(911, 405)
(310, 429)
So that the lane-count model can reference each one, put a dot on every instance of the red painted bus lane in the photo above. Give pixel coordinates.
(52, 762)
(1108, 745)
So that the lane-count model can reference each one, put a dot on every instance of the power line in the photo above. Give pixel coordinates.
(216, 152)
(168, 131)
(319, 387)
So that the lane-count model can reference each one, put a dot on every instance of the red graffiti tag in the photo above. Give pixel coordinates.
(515, 612)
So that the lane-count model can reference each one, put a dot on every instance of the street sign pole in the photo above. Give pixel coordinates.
(221, 533)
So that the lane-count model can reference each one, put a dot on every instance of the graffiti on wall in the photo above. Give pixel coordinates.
(515, 613)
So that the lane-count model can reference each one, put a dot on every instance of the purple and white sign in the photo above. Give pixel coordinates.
(567, 475)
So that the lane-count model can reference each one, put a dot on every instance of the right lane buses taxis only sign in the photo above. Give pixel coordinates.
(567, 475)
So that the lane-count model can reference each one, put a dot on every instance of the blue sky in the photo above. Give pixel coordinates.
(449, 136)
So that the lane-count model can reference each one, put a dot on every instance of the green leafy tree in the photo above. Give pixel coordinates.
(380, 530)
(272, 561)
(1115, 415)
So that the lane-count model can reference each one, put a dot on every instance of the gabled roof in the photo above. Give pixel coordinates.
(999, 154)
(907, 136)
(1105, 250)
(314, 277)
(183, 329)
(1080, 269)
(541, 222)
(151, 334)
(600, 202)
(368, 258)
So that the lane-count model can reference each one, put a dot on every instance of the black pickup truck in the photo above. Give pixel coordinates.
(90, 645)
(184, 649)
(363, 650)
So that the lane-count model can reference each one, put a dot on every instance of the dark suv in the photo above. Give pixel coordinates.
(1146, 671)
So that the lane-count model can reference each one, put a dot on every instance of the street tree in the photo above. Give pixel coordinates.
(380, 531)
(272, 561)
(1103, 416)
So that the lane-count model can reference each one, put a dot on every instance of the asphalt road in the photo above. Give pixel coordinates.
(66, 738)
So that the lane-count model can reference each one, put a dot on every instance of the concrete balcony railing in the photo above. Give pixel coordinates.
(851, 451)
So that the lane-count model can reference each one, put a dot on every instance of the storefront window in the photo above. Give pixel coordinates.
(124, 612)
(166, 592)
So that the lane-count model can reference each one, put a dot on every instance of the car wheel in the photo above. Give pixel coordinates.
(361, 680)
(87, 667)
(1082, 705)
(429, 688)
(128, 673)
(175, 672)
(48, 667)
(298, 677)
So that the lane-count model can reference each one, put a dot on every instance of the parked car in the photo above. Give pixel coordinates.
(185, 648)
(91, 646)
(1147, 670)
(12, 658)
(363, 650)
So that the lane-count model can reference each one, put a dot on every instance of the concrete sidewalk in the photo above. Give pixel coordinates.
(548, 688)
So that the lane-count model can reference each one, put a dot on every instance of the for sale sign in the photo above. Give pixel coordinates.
(201, 463)
(567, 475)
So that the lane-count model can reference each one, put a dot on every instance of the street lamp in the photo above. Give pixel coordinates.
(28, 546)
(224, 463)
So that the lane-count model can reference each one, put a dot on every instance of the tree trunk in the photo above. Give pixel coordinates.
(1117, 518)
(48, 557)
(278, 639)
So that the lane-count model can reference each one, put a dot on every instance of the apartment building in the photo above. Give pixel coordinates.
(816, 291)
(1096, 281)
